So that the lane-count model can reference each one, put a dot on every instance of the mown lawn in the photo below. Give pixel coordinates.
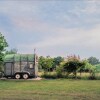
(58, 89)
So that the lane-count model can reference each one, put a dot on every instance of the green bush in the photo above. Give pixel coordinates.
(49, 76)
(59, 71)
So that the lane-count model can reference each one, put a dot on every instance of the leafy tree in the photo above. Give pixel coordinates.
(3, 45)
(72, 65)
(57, 61)
(59, 71)
(90, 68)
(93, 60)
(49, 63)
(87, 67)
(45, 63)
(41, 62)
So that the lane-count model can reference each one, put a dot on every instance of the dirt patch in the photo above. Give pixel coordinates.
(38, 78)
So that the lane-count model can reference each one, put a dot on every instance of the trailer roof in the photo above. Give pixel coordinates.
(18, 57)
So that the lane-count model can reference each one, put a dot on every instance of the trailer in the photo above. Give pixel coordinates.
(21, 66)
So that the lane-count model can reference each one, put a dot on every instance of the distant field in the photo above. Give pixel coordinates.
(58, 89)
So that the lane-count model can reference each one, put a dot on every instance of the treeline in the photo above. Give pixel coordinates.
(70, 66)
(58, 66)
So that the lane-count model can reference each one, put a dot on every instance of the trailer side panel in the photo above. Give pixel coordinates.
(8, 69)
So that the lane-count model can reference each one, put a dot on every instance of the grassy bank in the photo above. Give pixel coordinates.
(50, 90)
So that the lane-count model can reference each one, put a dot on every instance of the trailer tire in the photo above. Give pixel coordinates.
(17, 76)
(25, 76)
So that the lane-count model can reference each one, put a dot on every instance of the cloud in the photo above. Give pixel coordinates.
(87, 7)
(69, 37)
(60, 26)
(29, 16)
(92, 7)
(16, 7)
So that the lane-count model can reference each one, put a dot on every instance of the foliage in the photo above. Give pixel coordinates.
(72, 65)
(57, 61)
(90, 68)
(59, 71)
(46, 63)
(49, 75)
(3, 45)
(98, 67)
(93, 60)
(41, 62)
(82, 68)
(68, 68)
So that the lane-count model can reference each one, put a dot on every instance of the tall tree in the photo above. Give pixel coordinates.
(3, 45)
(57, 61)
(72, 65)
(41, 62)
(45, 63)
(93, 60)
(49, 63)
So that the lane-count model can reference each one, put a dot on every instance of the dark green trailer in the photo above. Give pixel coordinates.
(21, 66)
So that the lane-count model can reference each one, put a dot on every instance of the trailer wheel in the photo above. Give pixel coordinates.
(17, 76)
(25, 76)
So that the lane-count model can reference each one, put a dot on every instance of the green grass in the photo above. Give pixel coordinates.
(59, 89)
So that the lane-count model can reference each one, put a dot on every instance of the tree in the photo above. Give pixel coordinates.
(45, 63)
(41, 62)
(93, 60)
(49, 63)
(3, 45)
(72, 65)
(57, 61)
(90, 68)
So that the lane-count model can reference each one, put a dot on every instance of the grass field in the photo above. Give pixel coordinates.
(58, 89)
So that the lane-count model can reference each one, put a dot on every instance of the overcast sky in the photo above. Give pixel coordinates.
(55, 28)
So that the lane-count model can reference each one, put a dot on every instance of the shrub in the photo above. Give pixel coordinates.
(49, 76)
(59, 71)
(72, 65)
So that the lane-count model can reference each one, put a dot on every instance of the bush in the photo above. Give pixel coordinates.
(59, 70)
(49, 76)
(92, 78)
(72, 65)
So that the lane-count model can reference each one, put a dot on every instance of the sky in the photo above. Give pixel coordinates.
(53, 27)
